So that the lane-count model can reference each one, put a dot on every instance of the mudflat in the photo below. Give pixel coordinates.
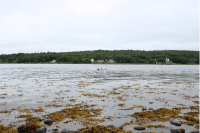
(101, 98)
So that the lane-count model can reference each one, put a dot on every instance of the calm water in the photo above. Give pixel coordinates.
(38, 85)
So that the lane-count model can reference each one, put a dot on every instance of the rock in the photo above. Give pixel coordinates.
(177, 130)
(65, 131)
(195, 131)
(181, 130)
(139, 128)
(121, 127)
(174, 131)
(41, 130)
(190, 124)
(110, 125)
(55, 129)
(48, 122)
(175, 123)
(67, 90)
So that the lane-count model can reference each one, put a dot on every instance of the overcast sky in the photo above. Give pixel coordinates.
(30, 26)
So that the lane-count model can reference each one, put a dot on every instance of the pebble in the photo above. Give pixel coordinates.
(174, 131)
(65, 131)
(48, 121)
(175, 123)
(110, 126)
(182, 130)
(55, 129)
(177, 130)
(139, 128)
(195, 131)
(190, 124)
(41, 130)
(121, 127)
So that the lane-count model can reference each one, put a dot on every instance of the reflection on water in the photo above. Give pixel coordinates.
(113, 88)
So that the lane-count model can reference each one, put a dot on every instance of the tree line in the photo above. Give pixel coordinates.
(119, 56)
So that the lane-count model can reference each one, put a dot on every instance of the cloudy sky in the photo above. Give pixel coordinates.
(30, 26)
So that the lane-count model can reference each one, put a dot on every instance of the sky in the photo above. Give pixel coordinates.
(29, 26)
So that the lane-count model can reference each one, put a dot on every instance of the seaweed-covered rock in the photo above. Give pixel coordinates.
(177, 130)
(102, 129)
(181, 130)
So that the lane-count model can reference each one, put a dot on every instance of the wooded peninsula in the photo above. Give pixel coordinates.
(106, 56)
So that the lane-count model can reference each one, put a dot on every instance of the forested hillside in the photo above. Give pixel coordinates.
(119, 56)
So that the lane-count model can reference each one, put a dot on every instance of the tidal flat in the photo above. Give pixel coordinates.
(118, 98)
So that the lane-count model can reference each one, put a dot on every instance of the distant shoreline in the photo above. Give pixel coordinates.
(101, 64)
(168, 57)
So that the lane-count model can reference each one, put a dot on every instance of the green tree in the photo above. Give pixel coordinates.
(152, 61)
(160, 59)
(75, 60)
(197, 60)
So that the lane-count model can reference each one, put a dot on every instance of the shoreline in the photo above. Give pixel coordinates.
(101, 63)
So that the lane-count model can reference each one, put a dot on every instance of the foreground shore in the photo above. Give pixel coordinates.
(81, 98)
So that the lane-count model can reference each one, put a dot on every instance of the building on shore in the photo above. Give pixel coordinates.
(53, 61)
(110, 60)
(100, 61)
(167, 59)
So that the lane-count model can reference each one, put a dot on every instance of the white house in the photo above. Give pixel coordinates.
(155, 61)
(92, 60)
(53, 61)
(167, 59)
(111, 60)
(100, 61)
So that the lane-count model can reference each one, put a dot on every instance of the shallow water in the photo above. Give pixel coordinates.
(40, 85)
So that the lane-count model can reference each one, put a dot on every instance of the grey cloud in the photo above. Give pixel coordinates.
(127, 24)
